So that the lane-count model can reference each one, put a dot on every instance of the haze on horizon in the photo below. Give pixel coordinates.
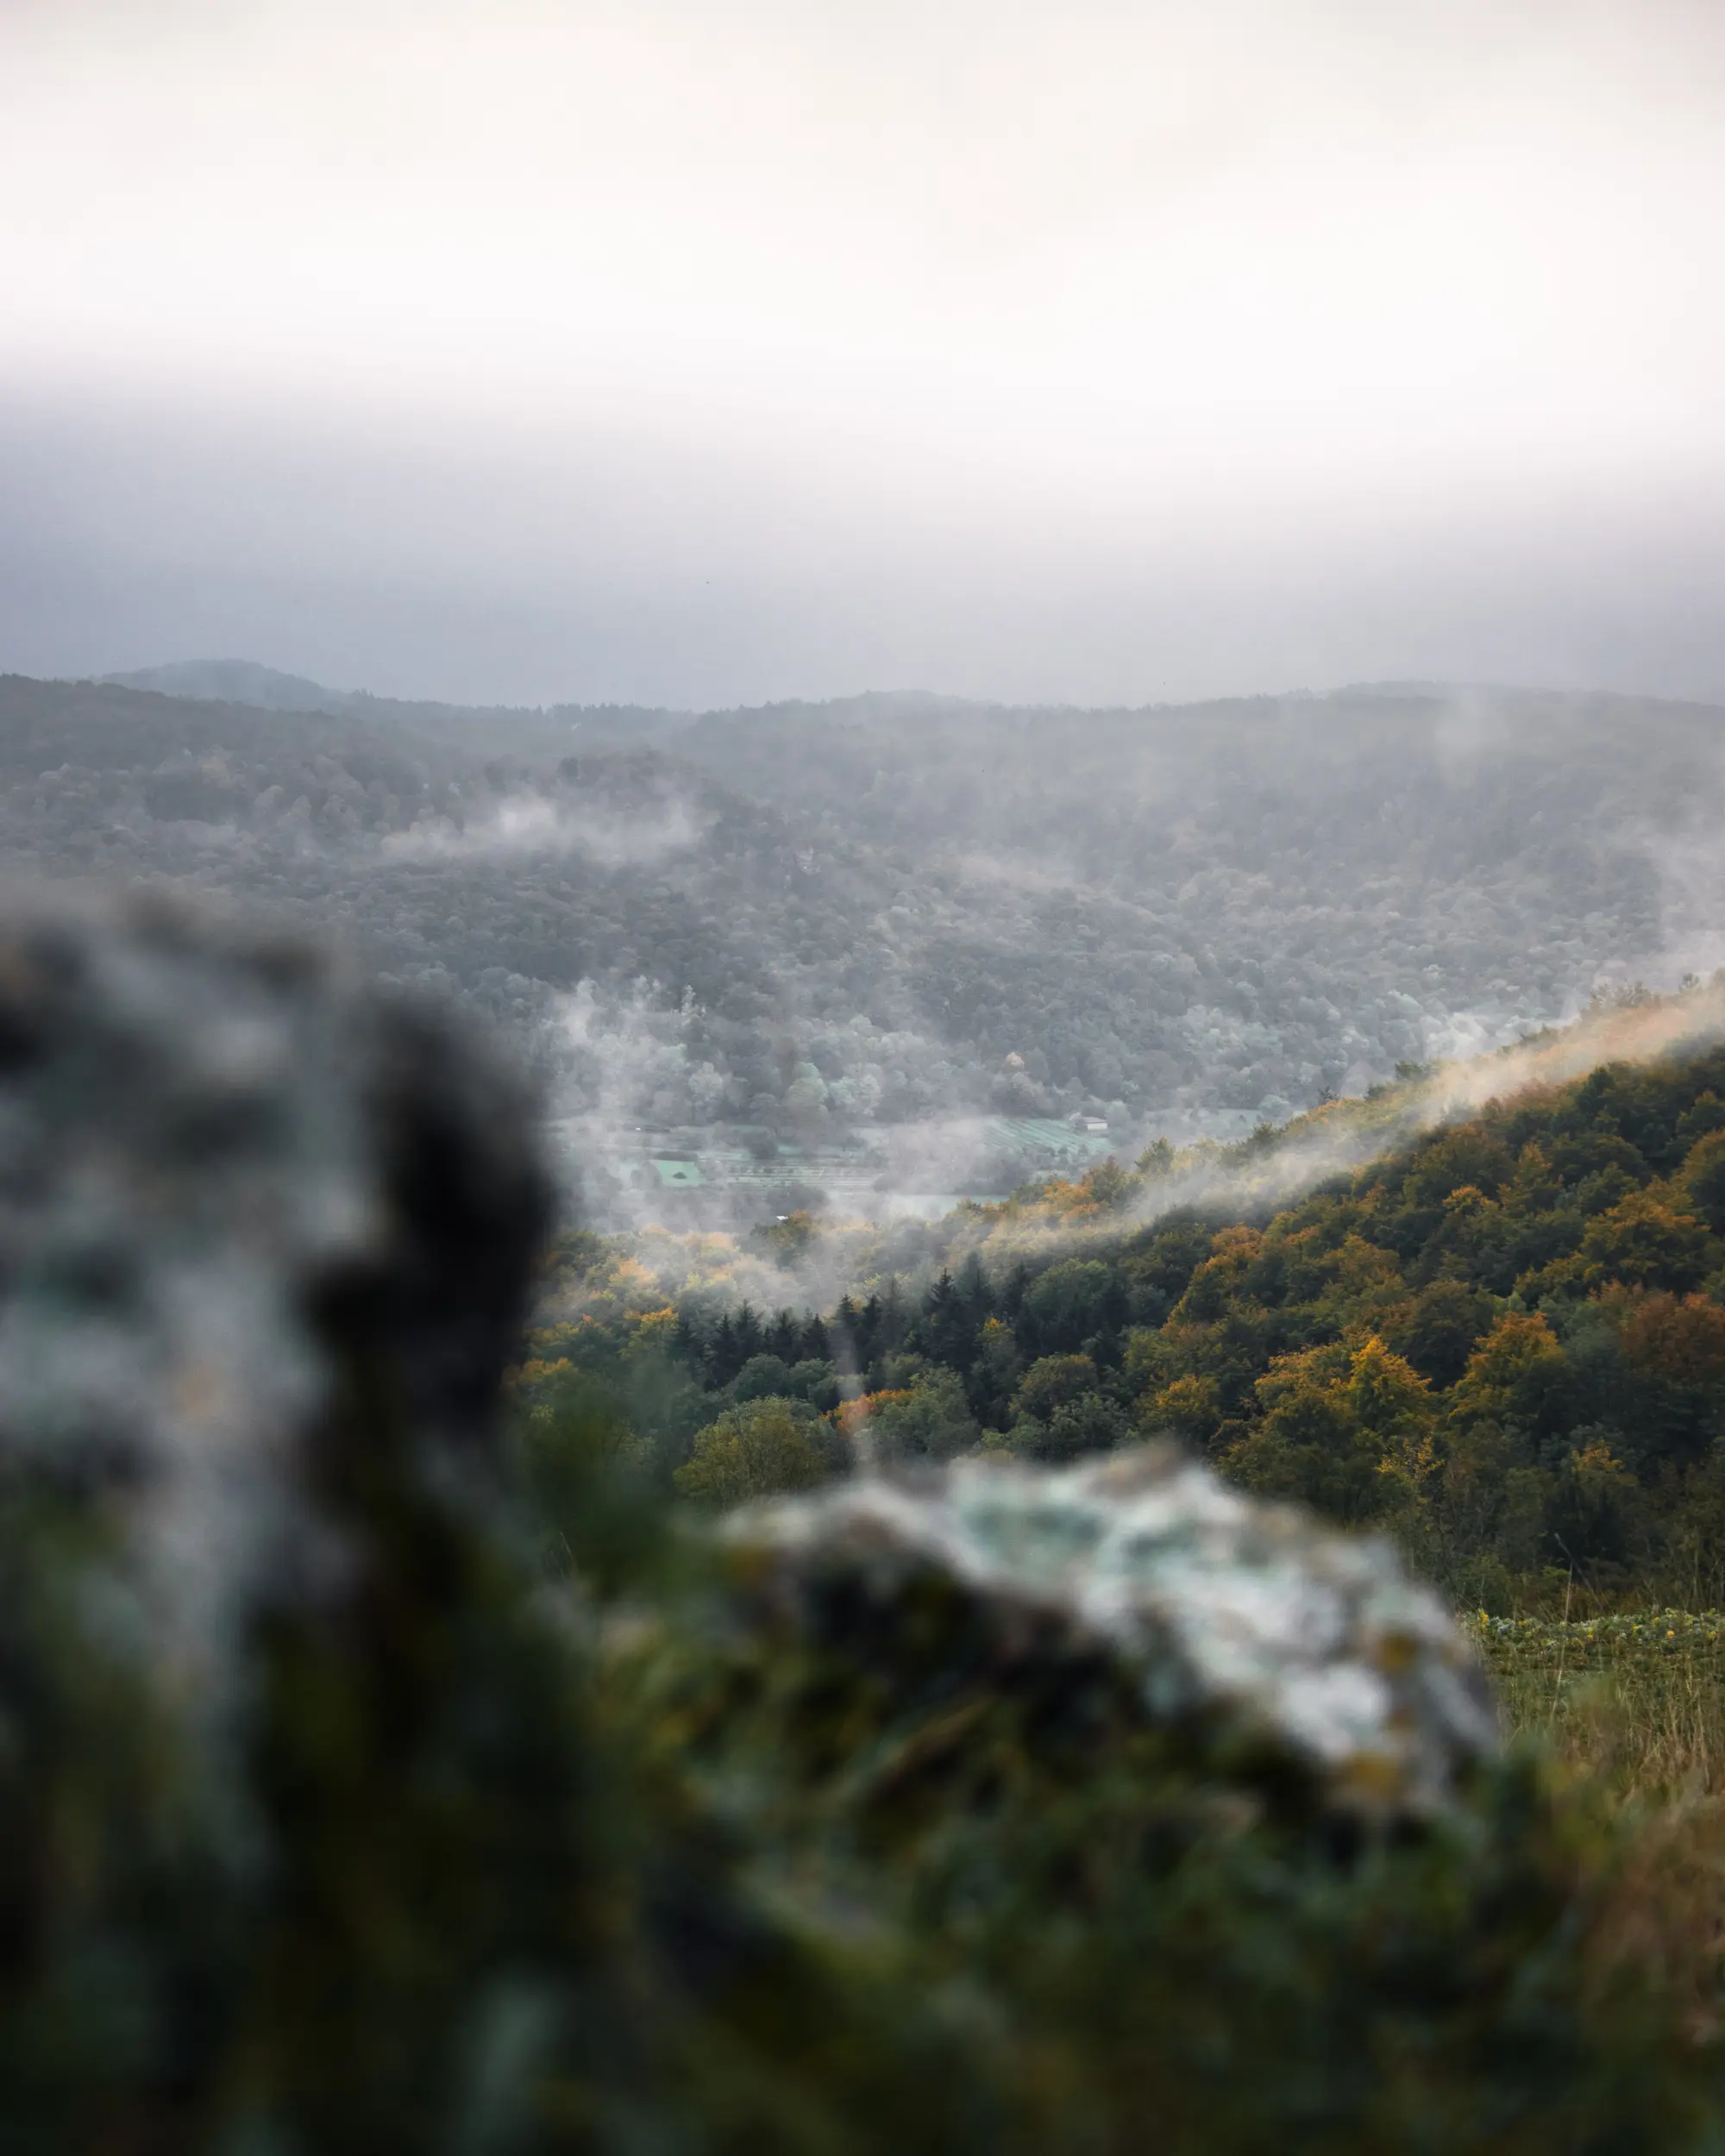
(654, 353)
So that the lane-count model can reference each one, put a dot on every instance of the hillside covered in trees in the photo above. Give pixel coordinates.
(387, 1771)
(1505, 1342)
(806, 919)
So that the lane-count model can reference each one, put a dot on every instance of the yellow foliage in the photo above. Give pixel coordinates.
(1645, 1240)
(534, 1371)
(1189, 1404)
(1682, 1339)
(758, 1450)
(1387, 1395)
(649, 1330)
(852, 1415)
(1507, 1372)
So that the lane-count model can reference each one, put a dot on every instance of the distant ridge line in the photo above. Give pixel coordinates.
(250, 682)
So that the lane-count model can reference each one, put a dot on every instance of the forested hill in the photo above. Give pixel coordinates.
(446, 862)
(1505, 1342)
(813, 918)
(524, 729)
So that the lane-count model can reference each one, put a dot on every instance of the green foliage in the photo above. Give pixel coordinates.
(1439, 1328)
(789, 1240)
(585, 1477)
(1351, 1431)
(1539, 1287)
(1073, 1304)
(1053, 1380)
(762, 1449)
(1703, 1175)
(928, 1422)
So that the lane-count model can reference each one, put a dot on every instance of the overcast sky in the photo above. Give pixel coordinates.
(707, 351)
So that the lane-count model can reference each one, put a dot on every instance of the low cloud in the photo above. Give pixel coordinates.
(526, 823)
(1351, 1134)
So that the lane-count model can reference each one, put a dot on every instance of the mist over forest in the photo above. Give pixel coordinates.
(926, 931)
(862, 1079)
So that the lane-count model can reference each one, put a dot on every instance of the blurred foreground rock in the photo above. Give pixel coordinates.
(237, 1191)
(1192, 1810)
(1250, 1626)
(1098, 1811)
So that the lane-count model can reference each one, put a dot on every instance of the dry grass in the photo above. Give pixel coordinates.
(1639, 1699)
(1636, 1705)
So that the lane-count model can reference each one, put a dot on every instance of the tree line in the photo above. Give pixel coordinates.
(1505, 1344)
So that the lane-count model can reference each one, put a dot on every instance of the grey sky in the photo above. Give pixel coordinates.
(670, 351)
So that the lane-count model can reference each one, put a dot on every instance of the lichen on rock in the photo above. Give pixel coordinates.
(1254, 1619)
